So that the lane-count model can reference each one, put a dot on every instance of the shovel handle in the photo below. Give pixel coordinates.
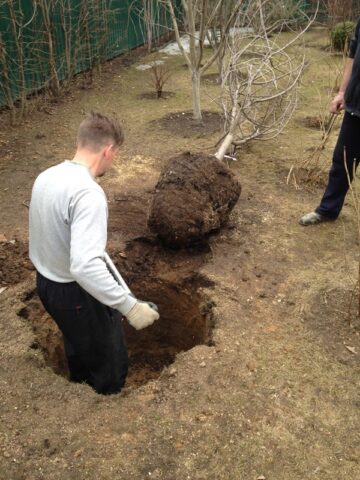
(121, 281)
(116, 273)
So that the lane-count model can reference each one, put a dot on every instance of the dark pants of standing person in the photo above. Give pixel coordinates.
(93, 335)
(348, 146)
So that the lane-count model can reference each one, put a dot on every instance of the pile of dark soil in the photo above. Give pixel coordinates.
(182, 123)
(194, 196)
(14, 262)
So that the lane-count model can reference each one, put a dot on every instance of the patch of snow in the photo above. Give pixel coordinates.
(173, 47)
(149, 65)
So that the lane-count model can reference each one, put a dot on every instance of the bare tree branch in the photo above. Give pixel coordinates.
(260, 79)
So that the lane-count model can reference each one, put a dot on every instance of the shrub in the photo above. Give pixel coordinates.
(160, 74)
(341, 35)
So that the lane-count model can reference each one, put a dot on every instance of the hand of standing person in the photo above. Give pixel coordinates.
(338, 103)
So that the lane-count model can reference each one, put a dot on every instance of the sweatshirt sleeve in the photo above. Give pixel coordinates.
(88, 216)
(354, 41)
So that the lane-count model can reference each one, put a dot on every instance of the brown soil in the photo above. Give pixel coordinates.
(312, 121)
(14, 262)
(274, 393)
(309, 178)
(47, 336)
(182, 123)
(186, 315)
(154, 96)
(186, 318)
(193, 197)
(211, 78)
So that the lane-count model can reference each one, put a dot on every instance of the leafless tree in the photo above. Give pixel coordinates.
(216, 32)
(30, 57)
(149, 12)
(339, 10)
(45, 8)
(149, 21)
(280, 15)
(16, 23)
(199, 17)
(260, 79)
(5, 81)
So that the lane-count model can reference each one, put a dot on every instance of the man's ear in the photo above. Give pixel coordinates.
(108, 149)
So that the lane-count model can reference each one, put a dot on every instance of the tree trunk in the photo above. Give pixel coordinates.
(16, 31)
(196, 97)
(149, 22)
(224, 147)
(48, 29)
(6, 84)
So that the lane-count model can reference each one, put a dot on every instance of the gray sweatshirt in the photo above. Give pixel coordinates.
(68, 233)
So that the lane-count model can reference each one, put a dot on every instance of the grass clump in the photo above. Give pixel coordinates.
(341, 35)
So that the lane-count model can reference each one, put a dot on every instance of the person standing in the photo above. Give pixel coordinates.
(67, 240)
(348, 144)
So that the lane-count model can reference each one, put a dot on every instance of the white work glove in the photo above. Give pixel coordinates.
(141, 315)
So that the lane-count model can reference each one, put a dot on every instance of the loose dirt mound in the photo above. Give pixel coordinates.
(48, 337)
(14, 262)
(194, 196)
(183, 124)
(313, 121)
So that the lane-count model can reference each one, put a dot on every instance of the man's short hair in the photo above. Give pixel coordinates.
(98, 130)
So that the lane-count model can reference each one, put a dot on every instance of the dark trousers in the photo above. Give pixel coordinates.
(93, 335)
(338, 184)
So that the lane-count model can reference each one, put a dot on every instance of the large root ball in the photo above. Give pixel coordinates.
(193, 197)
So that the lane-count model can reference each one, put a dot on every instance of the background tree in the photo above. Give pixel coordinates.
(261, 76)
(199, 17)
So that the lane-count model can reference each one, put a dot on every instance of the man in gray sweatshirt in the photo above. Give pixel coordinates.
(67, 241)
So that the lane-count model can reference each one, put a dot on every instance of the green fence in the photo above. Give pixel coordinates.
(44, 43)
(333, 11)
